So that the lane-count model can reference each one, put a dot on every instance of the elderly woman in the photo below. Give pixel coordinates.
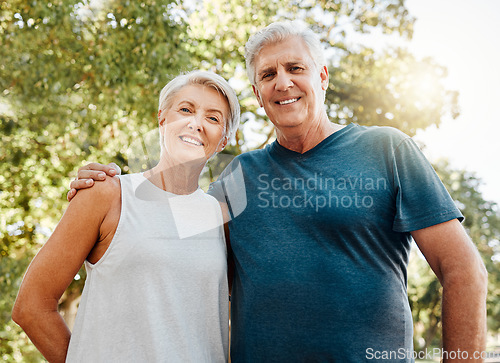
(153, 247)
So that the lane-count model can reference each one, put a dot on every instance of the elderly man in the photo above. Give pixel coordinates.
(322, 222)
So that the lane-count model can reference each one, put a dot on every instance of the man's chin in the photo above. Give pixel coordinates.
(286, 123)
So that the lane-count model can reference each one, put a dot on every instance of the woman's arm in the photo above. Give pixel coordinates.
(55, 266)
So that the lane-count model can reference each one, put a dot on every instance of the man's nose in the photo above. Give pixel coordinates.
(283, 81)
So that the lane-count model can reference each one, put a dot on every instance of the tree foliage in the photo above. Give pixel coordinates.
(391, 89)
(79, 81)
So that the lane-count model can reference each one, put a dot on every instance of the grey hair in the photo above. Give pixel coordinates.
(277, 32)
(209, 79)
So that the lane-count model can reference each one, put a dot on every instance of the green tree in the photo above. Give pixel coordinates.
(390, 89)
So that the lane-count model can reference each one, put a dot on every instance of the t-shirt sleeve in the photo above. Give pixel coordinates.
(216, 190)
(421, 198)
(230, 188)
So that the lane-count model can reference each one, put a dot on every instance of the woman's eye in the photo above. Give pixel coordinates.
(214, 119)
(184, 109)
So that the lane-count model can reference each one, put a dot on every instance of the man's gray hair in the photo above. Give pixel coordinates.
(209, 79)
(277, 32)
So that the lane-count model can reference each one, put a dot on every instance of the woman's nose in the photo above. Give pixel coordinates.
(195, 123)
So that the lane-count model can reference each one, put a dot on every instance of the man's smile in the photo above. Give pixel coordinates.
(287, 101)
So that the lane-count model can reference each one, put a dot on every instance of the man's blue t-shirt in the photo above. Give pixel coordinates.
(321, 244)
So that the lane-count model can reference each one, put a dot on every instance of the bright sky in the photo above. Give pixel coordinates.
(464, 37)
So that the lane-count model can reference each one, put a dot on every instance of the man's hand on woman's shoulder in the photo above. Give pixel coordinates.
(90, 172)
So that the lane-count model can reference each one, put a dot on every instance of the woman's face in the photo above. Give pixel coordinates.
(193, 127)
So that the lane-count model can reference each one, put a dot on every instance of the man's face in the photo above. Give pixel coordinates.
(289, 85)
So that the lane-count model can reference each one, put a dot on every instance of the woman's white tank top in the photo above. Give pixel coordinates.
(159, 293)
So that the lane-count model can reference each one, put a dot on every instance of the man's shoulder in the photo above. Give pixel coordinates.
(247, 157)
(254, 154)
(378, 137)
(382, 132)
(257, 159)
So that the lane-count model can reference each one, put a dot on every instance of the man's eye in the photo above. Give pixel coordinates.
(267, 75)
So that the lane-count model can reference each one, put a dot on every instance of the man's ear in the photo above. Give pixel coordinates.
(324, 78)
(257, 95)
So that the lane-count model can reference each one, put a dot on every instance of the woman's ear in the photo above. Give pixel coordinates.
(222, 144)
(160, 121)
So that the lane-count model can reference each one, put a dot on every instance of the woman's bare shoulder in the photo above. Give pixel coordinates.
(102, 192)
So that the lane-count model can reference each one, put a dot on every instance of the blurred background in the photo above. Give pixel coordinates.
(80, 80)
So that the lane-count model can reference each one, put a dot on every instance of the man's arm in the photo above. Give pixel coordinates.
(458, 266)
(88, 173)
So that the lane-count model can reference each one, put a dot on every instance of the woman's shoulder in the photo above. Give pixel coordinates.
(111, 185)
(102, 192)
